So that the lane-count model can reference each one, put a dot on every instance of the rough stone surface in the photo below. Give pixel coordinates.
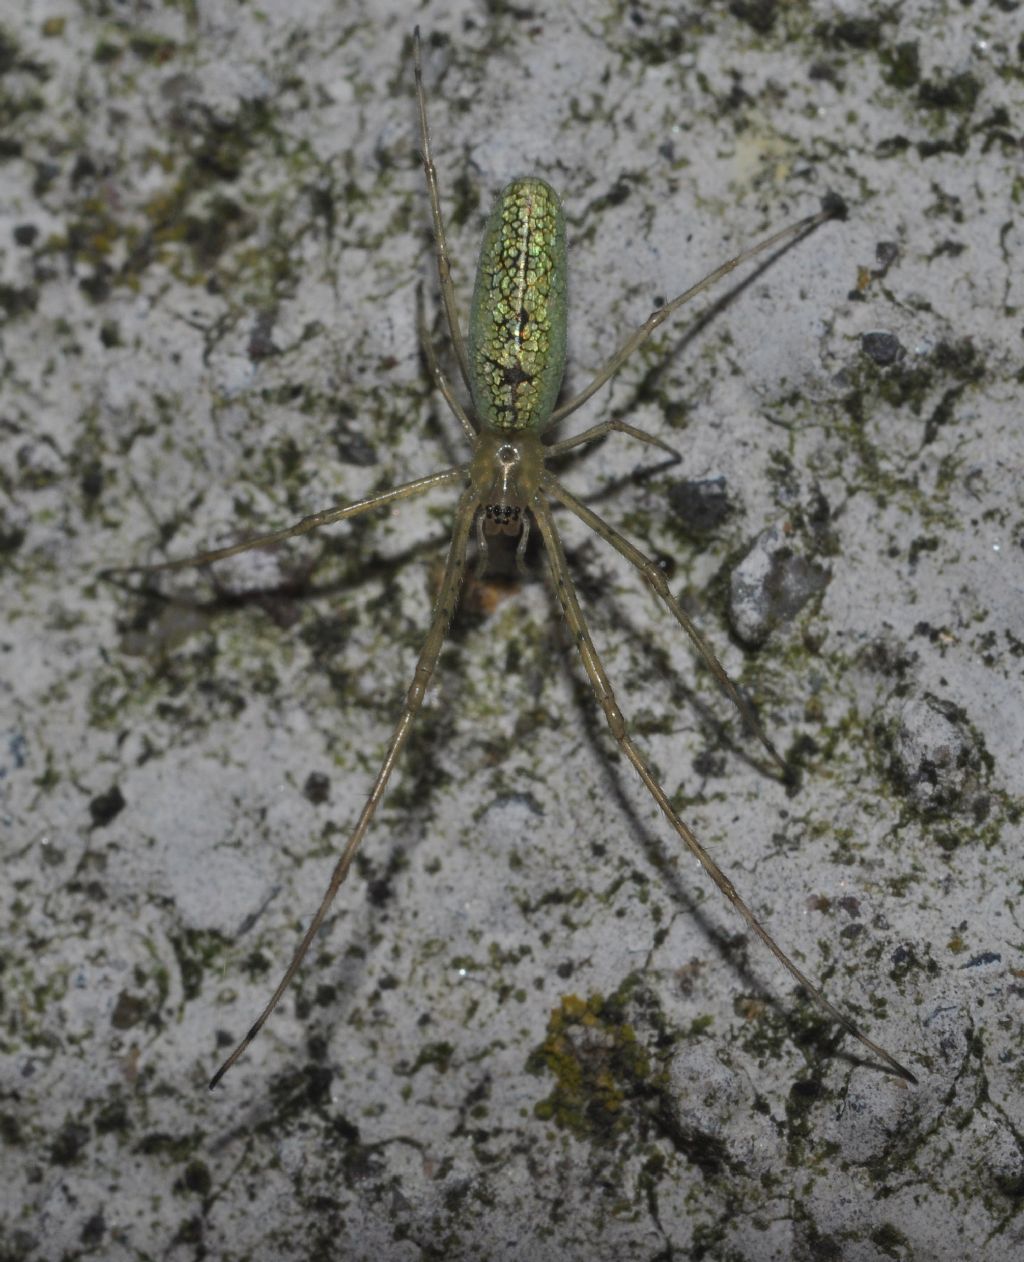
(770, 586)
(531, 1029)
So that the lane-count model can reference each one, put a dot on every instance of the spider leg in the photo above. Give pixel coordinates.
(303, 527)
(603, 691)
(444, 608)
(524, 539)
(658, 317)
(437, 372)
(608, 427)
(444, 267)
(659, 585)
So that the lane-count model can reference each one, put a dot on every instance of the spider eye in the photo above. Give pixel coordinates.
(502, 519)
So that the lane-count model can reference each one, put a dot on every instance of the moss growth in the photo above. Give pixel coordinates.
(432, 1055)
(195, 953)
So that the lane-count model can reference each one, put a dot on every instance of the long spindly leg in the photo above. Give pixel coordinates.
(303, 527)
(603, 690)
(438, 373)
(608, 427)
(443, 610)
(659, 585)
(833, 210)
(444, 267)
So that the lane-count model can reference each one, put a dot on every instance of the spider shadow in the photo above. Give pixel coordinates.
(646, 388)
(653, 846)
(308, 1084)
(305, 1081)
(734, 948)
(718, 719)
(294, 588)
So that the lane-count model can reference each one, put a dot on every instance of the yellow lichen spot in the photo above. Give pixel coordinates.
(597, 1063)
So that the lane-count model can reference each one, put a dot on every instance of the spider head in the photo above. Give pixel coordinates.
(506, 473)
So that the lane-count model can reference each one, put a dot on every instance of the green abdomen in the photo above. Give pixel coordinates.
(517, 321)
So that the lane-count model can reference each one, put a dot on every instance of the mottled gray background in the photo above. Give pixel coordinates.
(532, 1029)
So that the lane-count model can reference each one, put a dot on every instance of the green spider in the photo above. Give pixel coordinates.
(512, 363)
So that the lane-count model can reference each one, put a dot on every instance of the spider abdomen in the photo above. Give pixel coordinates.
(517, 320)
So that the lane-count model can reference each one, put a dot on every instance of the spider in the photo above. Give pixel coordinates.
(512, 363)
